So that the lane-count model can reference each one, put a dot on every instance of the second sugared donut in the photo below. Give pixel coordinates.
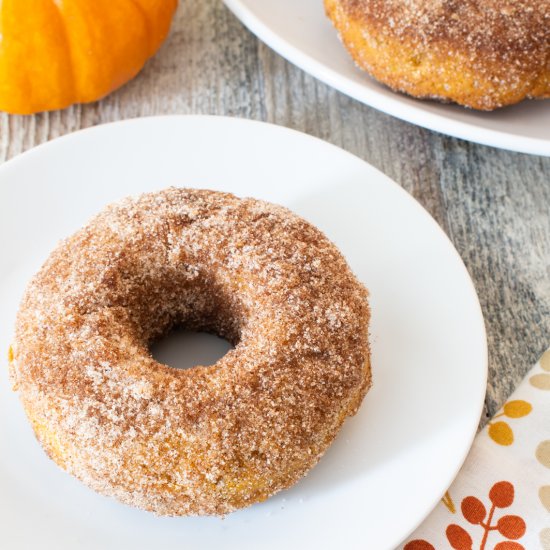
(210, 439)
(480, 53)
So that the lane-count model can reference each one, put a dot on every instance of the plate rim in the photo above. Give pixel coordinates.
(389, 104)
(412, 202)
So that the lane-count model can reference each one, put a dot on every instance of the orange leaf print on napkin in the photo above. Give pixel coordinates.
(418, 545)
(509, 526)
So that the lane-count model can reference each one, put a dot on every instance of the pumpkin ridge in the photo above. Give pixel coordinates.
(145, 17)
(70, 75)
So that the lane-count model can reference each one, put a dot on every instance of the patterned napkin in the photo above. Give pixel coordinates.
(501, 497)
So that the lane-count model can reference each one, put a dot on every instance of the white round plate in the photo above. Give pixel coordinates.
(300, 31)
(390, 463)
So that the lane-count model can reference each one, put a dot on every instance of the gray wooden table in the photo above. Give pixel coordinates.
(494, 205)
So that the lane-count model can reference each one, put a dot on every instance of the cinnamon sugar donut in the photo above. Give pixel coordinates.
(479, 53)
(210, 439)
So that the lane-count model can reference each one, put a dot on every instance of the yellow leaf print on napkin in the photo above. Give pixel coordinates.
(500, 432)
(543, 453)
(544, 495)
(448, 502)
(542, 381)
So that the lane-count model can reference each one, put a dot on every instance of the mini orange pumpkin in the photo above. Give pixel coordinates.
(57, 52)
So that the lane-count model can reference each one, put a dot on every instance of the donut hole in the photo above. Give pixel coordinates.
(185, 321)
(182, 348)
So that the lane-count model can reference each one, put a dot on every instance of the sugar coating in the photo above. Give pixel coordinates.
(480, 53)
(210, 439)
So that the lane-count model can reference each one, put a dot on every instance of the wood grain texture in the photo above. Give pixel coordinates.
(494, 205)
